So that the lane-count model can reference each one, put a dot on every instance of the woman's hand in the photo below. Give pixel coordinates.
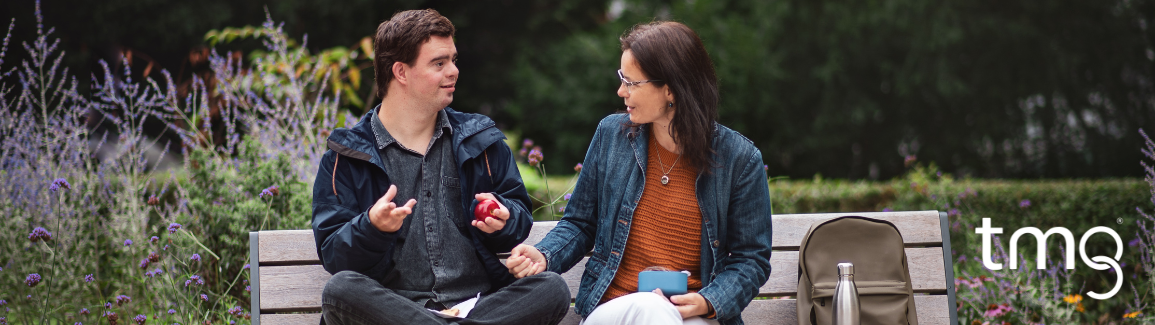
(689, 305)
(525, 260)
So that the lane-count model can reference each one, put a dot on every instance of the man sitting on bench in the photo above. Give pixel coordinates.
(392, 198)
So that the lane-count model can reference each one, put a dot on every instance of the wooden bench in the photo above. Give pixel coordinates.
(287, 284)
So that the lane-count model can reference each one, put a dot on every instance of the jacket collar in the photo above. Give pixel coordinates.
(471, 134)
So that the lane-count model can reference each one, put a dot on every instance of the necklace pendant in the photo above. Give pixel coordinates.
(665, 179)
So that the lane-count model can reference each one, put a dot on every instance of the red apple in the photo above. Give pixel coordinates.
(485, 209)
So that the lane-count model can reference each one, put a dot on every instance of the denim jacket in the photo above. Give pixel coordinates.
(351, 178)
(734, 201)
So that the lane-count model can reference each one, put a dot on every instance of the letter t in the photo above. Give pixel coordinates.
(987, 231)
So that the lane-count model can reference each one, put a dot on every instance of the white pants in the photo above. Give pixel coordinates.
(640, 308)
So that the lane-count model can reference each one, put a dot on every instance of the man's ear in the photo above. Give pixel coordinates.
(400, 73)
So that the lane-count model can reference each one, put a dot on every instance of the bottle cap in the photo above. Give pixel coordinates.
(845, 269)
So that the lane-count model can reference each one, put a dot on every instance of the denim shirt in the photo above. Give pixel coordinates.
(434, 259)
(734, 199)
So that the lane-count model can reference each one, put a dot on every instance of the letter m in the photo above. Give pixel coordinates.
(1042, 245)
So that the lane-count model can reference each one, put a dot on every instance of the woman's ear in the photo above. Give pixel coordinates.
(399, 73)
(669, 94)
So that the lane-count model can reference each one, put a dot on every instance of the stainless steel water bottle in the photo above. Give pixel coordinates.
(845, 297)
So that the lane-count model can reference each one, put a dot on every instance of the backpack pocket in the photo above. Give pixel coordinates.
(880, 302)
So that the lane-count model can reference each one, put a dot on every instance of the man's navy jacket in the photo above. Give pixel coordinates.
(347, 240)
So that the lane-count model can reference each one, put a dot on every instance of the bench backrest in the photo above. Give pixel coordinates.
(287, 284)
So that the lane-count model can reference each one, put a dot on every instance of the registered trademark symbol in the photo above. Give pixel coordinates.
(1120, 220)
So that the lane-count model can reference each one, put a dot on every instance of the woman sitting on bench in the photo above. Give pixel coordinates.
(663, 185)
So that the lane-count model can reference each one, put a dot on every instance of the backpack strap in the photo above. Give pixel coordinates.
(333, 177)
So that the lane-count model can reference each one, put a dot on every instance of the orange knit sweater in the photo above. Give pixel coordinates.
(667, 226)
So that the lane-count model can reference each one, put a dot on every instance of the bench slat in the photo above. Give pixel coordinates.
(292, 288)
(930, 311)
(925, 264)
(298, 288)
(918, 228)
(287, 247)
(291, 319)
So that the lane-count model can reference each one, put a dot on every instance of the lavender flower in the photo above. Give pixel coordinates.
(910, 159)
(248, 288)
(32, 280)
(561, 209)
(195, 257)
(140, 319)
(578, 167)
(236, 310)
(108, 305)
(270, 191)
(153, 240)
(89, 278)
(887, 209)
(128, 242)
(3, 302)
(1134, 242)
(246, 267)
(58, 184)
(535, 157)
(527, 143)
(953, 213)
(84, 311)
(173, 227)
(122, 299)
(144, 263)
(171, 311)
(153, 200)
(204, 297)
(567, 196)
(39, 233)
(1024, 203)
(153, 257)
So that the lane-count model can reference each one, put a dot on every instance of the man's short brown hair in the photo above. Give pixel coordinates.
(399, 39)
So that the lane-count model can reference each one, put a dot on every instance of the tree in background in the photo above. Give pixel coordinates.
(850, 88)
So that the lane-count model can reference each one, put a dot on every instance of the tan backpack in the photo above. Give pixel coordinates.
(880, 272)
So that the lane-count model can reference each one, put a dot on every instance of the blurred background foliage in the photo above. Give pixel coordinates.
(845, 89)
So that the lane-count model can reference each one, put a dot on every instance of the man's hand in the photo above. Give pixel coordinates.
(386, 215)
(525, 260)
(491, 225)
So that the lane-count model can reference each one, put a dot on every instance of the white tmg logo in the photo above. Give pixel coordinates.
(986, 231)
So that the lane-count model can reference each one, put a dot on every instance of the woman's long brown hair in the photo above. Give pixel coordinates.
(673, 53)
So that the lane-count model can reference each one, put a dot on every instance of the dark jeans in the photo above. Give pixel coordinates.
(351, 298)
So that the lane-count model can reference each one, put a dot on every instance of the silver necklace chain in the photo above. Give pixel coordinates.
(665, 174)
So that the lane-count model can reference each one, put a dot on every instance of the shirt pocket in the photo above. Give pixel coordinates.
(452, 202)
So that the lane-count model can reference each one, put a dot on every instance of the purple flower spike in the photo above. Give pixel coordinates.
(1025, 204)
(32, 280)
(170, 311)
(122, 299)
(195, 257)
(248, 288)
(766, 168)
(58, 184)
(39, 233)
(144, 263)
(246, 267)
(535, 157)
(204, 297)
(578, 168)
(567, 196)
(108, 305)
(270, 191)
(561, 209)
(154, 239)
(140, 319)
(3, 302)
(84, 311)
(1134, 242)
(173, 227)
(527, 143)
(89, 278)
(128, 242)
